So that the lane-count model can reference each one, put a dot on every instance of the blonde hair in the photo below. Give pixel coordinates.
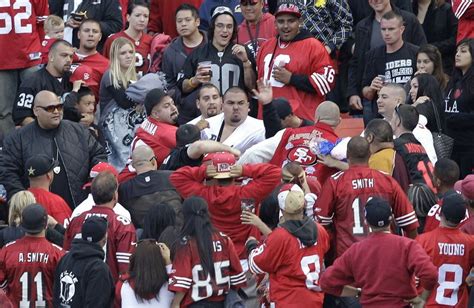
(120, 79)
(53, 21)
(17, 203)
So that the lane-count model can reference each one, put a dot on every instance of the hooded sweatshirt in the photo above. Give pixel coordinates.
(82, 278)
(305, 230)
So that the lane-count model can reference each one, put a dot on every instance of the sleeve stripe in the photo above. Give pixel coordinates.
(181, 286)
(414, 220)
(462, 8)
(406, 219)
(405, 216)
(4, 284)
(254, 267)
(125, 254)
(183, 279)
(188, 284)
(242, 274)
(240, 281)
(321, 82)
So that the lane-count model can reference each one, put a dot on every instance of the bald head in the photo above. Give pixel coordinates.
(143, 159)
(358, 151)
(45, 98)
(328, 113)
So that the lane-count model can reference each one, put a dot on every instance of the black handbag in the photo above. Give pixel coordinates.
(443, 144)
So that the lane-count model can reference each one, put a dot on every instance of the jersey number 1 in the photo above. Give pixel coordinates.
(17, 19)
(25, 283)
(358, 228)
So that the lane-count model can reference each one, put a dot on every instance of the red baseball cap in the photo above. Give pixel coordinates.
(223, 161)
(84, 73)
(288, 8)
(100, 167)
(466, 187)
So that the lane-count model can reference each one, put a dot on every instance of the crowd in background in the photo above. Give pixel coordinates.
(187, 153)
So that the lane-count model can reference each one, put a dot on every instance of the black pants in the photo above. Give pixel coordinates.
(464, 156)
(207, 304)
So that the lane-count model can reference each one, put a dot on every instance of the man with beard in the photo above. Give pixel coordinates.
(209, 103)
(89, 35)
(53, 77)
(297, 65)
(220, 61)
(234, 127)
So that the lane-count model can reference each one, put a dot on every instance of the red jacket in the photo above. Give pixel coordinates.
(53, 204)
(225, 201)
(464, 12)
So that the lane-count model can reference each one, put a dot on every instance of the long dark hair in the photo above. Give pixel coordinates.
(158, 218)
(433, 53)
(198, 230)
(148, 270)
(429, 86)
(468, 78)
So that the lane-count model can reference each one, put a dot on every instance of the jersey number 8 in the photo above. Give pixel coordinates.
(17, 19)
(206, 283)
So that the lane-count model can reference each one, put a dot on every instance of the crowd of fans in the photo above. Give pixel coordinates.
(186, 153)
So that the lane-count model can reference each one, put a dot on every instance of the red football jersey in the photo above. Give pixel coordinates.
(27, 271)
(188, 276)
(294, 269)
(433, 218)
(343, 198)
(295, 146)
(142, 50)
(306, 56)
(452, 252)
(160, 136)
(98, 63)
(121, 238)
(21, 26)
(53, 204)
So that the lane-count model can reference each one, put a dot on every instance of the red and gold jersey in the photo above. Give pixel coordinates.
(21, 28)
(294, 268)
(343, 198)
(27, 271)
(452, 252)
(121, 238)
(142, 50)
(188, 275)
(54, 205)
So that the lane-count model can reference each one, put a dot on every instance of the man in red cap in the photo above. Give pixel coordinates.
(296, 64)
(292, 255)
(87, 204)
(466, 188)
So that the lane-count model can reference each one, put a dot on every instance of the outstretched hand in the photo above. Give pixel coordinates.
(264, 92)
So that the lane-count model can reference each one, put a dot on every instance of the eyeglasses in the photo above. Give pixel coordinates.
(52, 108)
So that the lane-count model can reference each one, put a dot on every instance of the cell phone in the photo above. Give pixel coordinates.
(78, 17)
(382, 77)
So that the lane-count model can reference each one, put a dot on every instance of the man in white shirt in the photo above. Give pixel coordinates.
(89, 202)
(391, 95)
(234, 127)
(209, 103)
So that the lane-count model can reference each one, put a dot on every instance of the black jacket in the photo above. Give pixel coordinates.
(78, 151)
(82, 279)
(13, 233)
(413, 34)
(440, 27)
(107, 12)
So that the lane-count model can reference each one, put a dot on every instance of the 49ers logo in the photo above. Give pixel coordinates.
(302, 155)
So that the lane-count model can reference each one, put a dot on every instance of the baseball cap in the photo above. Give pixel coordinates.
(94, 229)
(219, 10)
(100, 167)
(454, 208)
(40, 164)
(378, 212)
(466, 187)
(34, 218)
(223, 161)
(291, 198)
(282, 107)
(83, 72)
(288, 8)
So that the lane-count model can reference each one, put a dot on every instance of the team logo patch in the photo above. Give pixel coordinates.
(68, 286)
(302, 155)
(457, 93)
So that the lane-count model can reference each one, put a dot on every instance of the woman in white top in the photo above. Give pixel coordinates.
(146, 284)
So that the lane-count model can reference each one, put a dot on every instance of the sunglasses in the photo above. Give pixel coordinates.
(52, 108)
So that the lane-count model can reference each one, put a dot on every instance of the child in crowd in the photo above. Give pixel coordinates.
(54, 30)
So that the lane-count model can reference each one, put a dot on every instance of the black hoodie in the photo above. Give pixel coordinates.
(305, 230)
(82, 278)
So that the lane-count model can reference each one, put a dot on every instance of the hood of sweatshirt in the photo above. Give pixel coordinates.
(81, 249)
(305, 230)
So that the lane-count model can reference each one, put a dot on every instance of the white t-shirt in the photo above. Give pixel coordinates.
(250, 132)
(424, 136)
(89, 203)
